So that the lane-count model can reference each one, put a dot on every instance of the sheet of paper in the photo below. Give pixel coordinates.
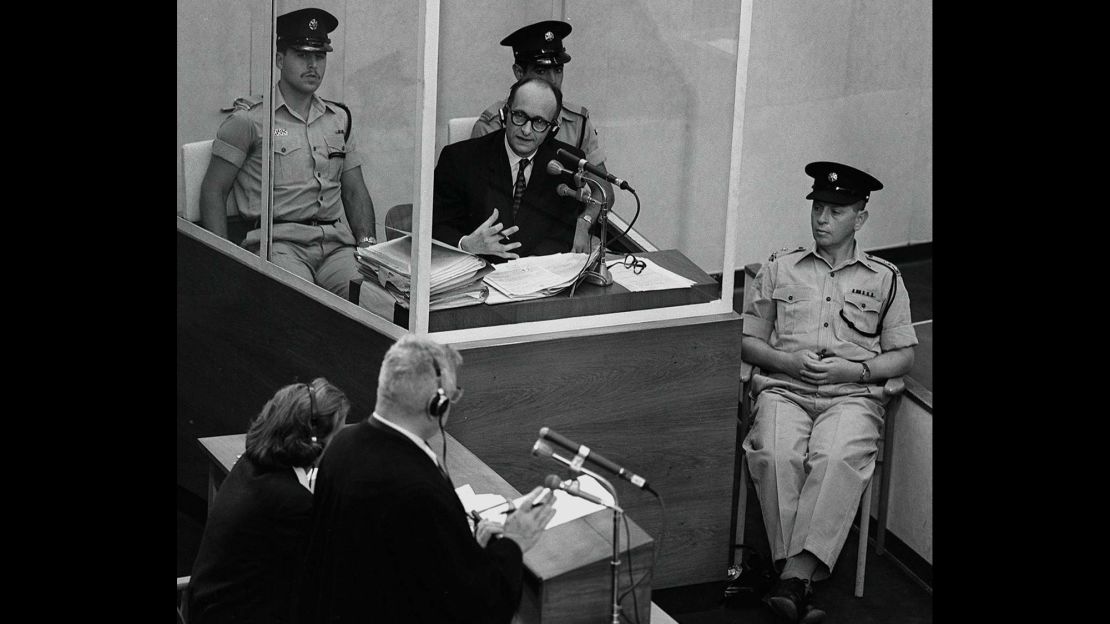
(567, 506)
(653, 277)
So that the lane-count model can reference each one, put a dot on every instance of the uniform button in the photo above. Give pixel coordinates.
(321, 199)
(828, 298)
(790, 298)
(863, 305)
(826, 324)
(283, 150)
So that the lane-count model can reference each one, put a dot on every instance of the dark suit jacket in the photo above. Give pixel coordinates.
(253, 545)
(473, 177)
(390, 541)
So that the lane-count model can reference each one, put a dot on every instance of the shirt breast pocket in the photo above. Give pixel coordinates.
(794, 308)
(859, 320)
(337, 155)
(288, 168)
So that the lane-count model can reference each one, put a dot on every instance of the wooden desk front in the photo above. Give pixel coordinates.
(567, 579)
(588, 299)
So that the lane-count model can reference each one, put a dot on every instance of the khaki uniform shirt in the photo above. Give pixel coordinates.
(575, 128)
(799, 298)
(306, 180)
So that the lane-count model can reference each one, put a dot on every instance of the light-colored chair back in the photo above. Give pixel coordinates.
(459, 128)
(194, 160)
(398, 221)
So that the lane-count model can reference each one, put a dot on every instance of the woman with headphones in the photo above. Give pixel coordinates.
(257, 528)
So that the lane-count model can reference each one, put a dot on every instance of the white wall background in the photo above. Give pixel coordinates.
(847, 80)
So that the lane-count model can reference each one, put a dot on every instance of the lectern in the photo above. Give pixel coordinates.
(567, 579)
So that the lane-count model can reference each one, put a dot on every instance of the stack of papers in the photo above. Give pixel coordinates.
(456, 278)
(534, 277)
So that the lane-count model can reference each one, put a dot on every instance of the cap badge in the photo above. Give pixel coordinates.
(312, 24)
(549, 36)
(832, 176)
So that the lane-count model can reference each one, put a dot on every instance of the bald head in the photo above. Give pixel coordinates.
(529, 99)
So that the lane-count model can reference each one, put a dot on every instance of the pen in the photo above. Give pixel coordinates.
(511, 508)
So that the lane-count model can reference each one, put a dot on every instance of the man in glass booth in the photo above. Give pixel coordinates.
(538, 52)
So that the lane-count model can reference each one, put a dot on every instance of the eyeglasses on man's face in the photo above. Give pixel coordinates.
(519, 118)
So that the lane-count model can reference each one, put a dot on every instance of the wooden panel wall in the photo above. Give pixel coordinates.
(241, 335)
(661, 402)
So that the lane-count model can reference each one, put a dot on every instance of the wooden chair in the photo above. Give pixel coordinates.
(892, 389)
(183, 599)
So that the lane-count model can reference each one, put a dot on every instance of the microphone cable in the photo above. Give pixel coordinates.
(630, 223)
(654, 559)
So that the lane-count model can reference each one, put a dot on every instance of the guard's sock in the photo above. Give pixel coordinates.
(801, 565)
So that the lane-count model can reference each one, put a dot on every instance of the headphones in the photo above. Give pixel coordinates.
(311, 390)
(437, 406)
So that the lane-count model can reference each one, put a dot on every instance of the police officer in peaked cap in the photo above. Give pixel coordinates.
(318, 169)
(827, 324)
(840, 184)
(306, 29)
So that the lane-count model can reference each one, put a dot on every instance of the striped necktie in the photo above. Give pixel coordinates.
(518, 190)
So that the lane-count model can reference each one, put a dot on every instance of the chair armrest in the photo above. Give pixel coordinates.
(745, 372)
(894, 386)
(183, 582)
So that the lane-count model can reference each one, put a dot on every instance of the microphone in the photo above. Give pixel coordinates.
(555, 168)
(582, 163)
(547, 433)
(570, 487)
(583, 194)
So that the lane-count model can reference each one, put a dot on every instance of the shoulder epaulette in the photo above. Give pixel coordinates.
(785, 251)
(492, 113)
(886, 263)
(347, 132)
(576, 110)
(248, 102)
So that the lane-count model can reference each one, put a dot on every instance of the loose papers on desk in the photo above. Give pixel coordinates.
(653, 277)
(456, 276)
(567, 507)
(533, 277)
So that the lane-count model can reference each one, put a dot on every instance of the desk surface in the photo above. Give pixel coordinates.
(590, 537)
(588, 299)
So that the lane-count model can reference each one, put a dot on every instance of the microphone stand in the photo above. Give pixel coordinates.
(599, 273)
(615, 562)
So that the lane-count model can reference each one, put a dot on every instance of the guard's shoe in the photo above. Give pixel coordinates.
(812, 615)
(788, 598)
